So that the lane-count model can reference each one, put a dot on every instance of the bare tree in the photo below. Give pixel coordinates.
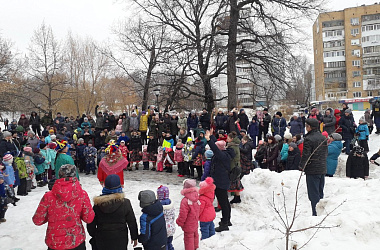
(6, 59)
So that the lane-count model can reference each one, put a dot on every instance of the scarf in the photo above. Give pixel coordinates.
(106, 191)
(114, 167)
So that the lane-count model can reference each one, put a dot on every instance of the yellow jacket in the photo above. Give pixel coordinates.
(143, 123)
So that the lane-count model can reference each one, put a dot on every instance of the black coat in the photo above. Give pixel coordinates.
(113, 216)
(244, 121)
(348, 127)
(205, 120)
(135, 143)
(174, 127)
(246, 150)
(34, 120)
(271, 156)
(317, 164)
(220, 164)
(220, 121)
(294, 159)
(357, 167)
(260, 156)
(152, 145)
(6, 146)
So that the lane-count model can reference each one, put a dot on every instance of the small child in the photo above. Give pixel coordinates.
(189, 214)
(52, 154)
(178, 157)
(101, 154)
(152, 150)
(20, 163)
(207, 211)
(169, 160)
(9, 177)
(44, 151)
(124, 149)
(187, 154)
(135, 146)
(29, 164)
(39, 163)
(90, 154)
(169, 214)
(3, 199)
(81, 159)
(363, 134)
(145, 157)
(160, 160)
(357, 165)
(153, 234)
(207, 166)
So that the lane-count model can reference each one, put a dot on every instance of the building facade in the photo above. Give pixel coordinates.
(347, 54)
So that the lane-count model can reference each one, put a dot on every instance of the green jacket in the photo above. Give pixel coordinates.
(235, 146)
(61, 160)
(21, 167)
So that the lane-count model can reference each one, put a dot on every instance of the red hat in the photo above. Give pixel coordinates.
(336, 111)
(7, 157)
(207, 186)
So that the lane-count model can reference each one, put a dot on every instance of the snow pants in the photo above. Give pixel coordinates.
(21, 189)
(207, 229)
(169, 243)
(315, 184)
(191, 240)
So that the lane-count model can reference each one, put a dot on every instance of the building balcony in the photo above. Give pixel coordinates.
(334, 69)
(365, 66)
(335, 80)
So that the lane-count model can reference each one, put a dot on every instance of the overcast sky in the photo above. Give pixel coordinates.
(94, 18)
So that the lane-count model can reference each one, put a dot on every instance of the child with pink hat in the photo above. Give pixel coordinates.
(207, 211)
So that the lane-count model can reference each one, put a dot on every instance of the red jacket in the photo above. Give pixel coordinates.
(63, 209)
(189, 210)
(337, 118)
(206, 197)
(178, 157)
(300, 147)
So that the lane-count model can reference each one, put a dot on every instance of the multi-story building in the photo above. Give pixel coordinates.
(347, 54)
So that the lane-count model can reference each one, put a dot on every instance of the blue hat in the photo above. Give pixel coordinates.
(209, 154)
(112, 182)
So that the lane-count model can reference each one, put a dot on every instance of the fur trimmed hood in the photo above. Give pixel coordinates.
(110, 202)
(191, 193)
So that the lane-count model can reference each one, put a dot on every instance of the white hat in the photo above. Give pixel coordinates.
(296, 114)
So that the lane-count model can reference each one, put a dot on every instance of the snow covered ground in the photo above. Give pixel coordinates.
(255, 224)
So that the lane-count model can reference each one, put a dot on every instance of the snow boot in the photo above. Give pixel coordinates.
(236, 199)
(222, 227)
(153, 169)
(229, 223)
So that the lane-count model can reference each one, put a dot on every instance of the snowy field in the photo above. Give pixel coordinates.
(356, 224)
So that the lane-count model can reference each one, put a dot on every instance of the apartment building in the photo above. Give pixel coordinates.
(347, 54)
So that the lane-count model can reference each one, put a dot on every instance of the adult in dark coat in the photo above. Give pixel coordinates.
(347, 124)
(7, 145)
(192, 121)
(329, 121)
(220, 120)
(296, 126)
(315, 168)
(113, 217)
(46, 120)
(243, 119)
(357, 165)
(294, 157)
(24, 122)
(279, 124)
(220, 168)
(34, 120)
(112, 120)
(205, 119)
(272, 154)
(376, 115)
(264, 124)
(231, 122)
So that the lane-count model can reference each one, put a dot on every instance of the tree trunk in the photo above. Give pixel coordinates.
(148, 79)
(231, 54)
(209, 97)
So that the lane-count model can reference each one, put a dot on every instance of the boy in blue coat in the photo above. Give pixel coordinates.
(207, 166)
(153, 234)
(363, 134)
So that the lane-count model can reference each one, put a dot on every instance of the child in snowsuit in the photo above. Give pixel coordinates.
(39, 162)
(9, 177)
(178, 157)
(363, 134)
(357, 165)
(152, 150)
(160, 160)
(199, 149)
(29, 164)
(187, 156)
(3, 199)
(90, 156)
(21, 189)
(81, 158)
(207, 166)
(167, 145)
(189, 214)
(145, 158)
(169, 214)
(44, 151)
(207, 211)
(124, 149)
(153, 234)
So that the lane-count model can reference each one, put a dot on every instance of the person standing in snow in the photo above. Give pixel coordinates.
(313, 162)
(334, 149)
(363, 132)
(357, 165)
(207, 211)
(376, 115)
(169, 214)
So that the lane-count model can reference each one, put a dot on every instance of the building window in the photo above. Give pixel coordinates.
(355, 21)
(354, 32)
(355, 52)
(355, 42)
(357, 94)
(357, 84)
(369, 93)
(355, 73)
(356, 63)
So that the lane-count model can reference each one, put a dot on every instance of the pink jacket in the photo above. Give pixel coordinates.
(207, 210)
(119, 126)
(178, 157)
(189, 210)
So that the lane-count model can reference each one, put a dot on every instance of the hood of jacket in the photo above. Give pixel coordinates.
(300, 141)
(337, 144)
(66, 189)
(154, 209)
(191, 193)
(207, 190)
(109, 203)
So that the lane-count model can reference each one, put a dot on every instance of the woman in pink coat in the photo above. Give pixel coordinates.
(207, 210)
(189, 214)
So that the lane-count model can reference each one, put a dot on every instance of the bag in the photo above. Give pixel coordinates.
(235, 173)
(198, 160)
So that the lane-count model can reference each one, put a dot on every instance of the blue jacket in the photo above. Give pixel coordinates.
(279, 126)
(192, 123)
(221, 165)
(206, 171)
(80, 151)
(363, 132)
(123, 138)
(296, 126)
(9, 175)
(334, 150)
(284, 152)
(253, 130)
(153, 227)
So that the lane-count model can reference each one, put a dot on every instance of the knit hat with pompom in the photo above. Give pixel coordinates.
(207, 186)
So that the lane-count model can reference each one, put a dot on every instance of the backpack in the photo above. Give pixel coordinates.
(38, 159)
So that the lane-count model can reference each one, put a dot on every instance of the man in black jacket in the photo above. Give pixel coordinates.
(264, 124)
(313, 162)
(205, 119)
(243, 119)
(34, 120)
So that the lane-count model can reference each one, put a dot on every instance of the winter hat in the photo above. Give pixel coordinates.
(296, 115)
(80, 139)
(51, 131)
(362, 119)
(53, 137)
(209, 154)
(279, 113)
(7, 134)
(266, 109)
(221, 145)
(67, 170)
(36, 150)
(85, 119)
(192, 112)
(162, 193)
(189, 183)
(42, 145)
(288, 136)
(336, 111)
(241, 110)
(367, 110)
(336, 136)
(112, 185)
(220, 110)
(146, 198)
(207, 186)
(61, 146)
(52, 145)
(358, 150)
(7, 157)
(325, 134)
(144, 112)
(221, 132)
(189, 139)
(276, 137)
(293, 145)
(28, 149)
(314, 109)
(348, 111)
(314, 123)
(179, 145)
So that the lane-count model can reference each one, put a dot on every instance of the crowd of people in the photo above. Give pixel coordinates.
(215, 148)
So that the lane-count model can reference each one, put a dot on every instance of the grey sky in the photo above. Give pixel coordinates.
(94, 18)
